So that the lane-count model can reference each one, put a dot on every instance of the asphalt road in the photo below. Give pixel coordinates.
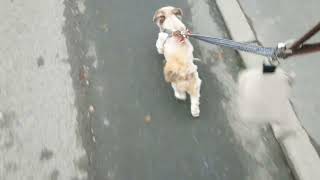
(136, 128)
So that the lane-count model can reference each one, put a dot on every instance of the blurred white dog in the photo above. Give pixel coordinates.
(179, 69)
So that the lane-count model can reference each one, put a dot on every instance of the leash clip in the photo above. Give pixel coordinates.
(182, 35)
(283, 50)
(186, 33)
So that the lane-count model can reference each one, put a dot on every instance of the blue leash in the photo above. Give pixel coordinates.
(272, 53)
(247, 47)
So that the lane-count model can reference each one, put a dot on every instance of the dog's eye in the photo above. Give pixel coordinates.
(161, 19)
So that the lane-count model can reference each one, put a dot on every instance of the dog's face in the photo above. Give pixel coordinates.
(169, 18)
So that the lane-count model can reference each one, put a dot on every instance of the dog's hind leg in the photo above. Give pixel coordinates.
(195, 97)
(181, 95)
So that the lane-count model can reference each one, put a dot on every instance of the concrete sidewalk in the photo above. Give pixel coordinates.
(39, 136)
(267, 23)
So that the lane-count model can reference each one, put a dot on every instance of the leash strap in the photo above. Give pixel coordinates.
(247, 47)
(299, 47)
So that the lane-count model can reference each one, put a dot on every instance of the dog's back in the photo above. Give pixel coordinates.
(177, 67)
(174, 71)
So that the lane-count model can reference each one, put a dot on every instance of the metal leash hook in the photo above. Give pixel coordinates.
(185, 33)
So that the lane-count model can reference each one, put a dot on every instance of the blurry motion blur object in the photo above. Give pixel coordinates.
(263, 95)
(264, 91)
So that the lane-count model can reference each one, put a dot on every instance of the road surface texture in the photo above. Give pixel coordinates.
(133, 127)
(96, 62)
(274, 21)
(38, 116)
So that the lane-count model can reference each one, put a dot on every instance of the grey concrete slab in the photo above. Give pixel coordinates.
(137, 128)
(38, 116)
(239, 29)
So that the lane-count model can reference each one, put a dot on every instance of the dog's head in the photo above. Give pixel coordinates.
(169, 18)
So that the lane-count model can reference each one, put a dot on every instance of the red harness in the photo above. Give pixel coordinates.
(181, 38)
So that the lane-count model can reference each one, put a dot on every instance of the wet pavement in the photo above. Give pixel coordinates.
(135, 129)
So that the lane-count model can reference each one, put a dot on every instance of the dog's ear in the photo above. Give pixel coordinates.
(154, 19)
(178, 12)
(157, 15)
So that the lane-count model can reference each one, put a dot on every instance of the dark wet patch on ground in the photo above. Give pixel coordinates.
(54, 175)
(11, 167)
(7, 122)
(7, 119)
(46, 154)
(40, 61)
(77, 46)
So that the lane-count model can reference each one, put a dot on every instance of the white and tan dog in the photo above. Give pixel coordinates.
(179, 69)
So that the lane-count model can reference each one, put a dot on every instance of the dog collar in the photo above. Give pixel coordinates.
(180, 35)
(168, 31)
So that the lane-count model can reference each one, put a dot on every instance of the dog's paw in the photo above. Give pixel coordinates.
(160, 50)
(195, 111)
(180, 96)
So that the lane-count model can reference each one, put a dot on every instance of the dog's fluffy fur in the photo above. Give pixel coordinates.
(179, 69)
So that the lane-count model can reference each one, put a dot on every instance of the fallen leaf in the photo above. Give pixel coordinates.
(147, 119)
(84, 73)
(91, 109)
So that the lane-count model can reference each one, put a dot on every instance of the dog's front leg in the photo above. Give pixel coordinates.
(162, 37)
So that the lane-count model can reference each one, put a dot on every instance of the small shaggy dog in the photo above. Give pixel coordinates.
(179, 69)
